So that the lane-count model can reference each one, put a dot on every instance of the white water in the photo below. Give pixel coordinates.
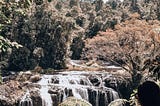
(26, 100)
(46, 97)
(73, 83)
(73, 80)
(115, 95)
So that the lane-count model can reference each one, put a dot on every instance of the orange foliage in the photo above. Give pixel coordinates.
(133, 41)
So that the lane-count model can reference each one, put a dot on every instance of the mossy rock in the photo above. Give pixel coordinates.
(72, 101)
(119, 102)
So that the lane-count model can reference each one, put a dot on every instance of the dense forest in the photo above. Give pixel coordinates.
(44, 37)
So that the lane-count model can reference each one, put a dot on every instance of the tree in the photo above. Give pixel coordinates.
(134, 45)
(7, 10)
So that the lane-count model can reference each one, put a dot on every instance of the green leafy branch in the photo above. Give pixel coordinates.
(6, 43)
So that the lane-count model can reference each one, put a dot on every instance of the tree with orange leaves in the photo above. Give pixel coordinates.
(134, 45)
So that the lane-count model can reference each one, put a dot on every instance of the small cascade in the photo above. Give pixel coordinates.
(102, 96)
(115, 95)
(46, 97)
(74, 84)
(26, 100)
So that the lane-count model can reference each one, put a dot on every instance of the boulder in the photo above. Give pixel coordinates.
(24, 76)
(95, 80)
(36, 97)
(35, 78)
(71, 101)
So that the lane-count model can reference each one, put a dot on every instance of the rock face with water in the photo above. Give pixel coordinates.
(79, 85)
(26, 100)
(98, 88)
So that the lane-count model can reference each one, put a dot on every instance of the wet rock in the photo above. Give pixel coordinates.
(70, 92)
(24, 76)
(119, 83)
(35, 78)
(36, 97)
(8, 78)
(95, 80)
(84, 82)
(111, 82)
(54, 99)
(27, 73)
(102, 96)
(55, 80)
(52, 91)
(57, 97)
(26, 83)
(72, 82)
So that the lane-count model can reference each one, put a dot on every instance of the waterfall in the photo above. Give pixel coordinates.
(56, 88)
(26, 100)
(73, 82)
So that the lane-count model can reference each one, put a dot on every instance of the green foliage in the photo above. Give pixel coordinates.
(10, 9)
(133, 99)
(6, 43)
(7, 10)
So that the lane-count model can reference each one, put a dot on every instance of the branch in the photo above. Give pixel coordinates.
(118, 64)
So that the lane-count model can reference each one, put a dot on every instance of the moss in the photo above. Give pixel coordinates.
(71, 101)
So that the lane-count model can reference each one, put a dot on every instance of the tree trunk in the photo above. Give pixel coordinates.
(136, 79)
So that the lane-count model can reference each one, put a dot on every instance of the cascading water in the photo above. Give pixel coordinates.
(73, 83)
(46, 97)
(26, 100)
(77, 84)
